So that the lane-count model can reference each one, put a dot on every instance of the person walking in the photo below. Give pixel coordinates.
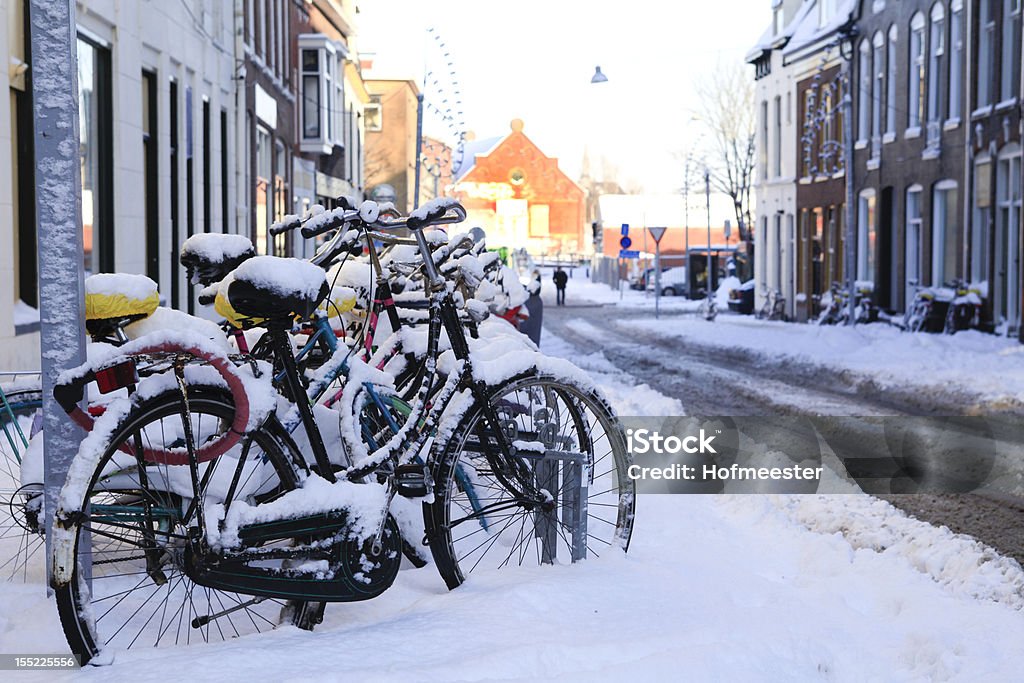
(560, 279)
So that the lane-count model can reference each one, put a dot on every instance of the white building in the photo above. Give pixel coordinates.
(776, 137)
(158, 100)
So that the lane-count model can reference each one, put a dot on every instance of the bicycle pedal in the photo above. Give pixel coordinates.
(410, 481)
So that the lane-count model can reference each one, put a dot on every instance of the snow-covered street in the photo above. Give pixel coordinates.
(843, 588)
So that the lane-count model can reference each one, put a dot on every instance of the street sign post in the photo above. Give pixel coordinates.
(657, 234)
(629, 253)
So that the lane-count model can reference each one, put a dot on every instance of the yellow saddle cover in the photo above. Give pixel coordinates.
(111, 296)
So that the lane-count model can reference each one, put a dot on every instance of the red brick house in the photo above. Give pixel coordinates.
(519, 196)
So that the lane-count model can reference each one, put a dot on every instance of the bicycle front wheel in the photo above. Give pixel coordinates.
(21, 540)
(569, 445)
(129, 586)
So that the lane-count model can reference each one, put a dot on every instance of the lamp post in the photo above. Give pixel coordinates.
(707, 195)
(846, 37)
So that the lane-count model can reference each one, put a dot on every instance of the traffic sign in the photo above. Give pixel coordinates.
(629, 253)
(625, 243)
(625, 229)
(656, 233)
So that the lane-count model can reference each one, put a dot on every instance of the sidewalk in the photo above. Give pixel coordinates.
(968, 363)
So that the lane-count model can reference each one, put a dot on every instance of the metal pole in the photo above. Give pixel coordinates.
(686, 227)
(657, 278)
(707, 194)
(59, 229)
(419, 146)
(850, 258)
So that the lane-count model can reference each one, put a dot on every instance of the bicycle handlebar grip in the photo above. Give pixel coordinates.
(290, 222)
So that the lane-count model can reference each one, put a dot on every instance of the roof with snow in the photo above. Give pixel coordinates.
(769, 40)
(806, 30)
(473, 148)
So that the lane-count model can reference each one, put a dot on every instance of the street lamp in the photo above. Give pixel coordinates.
(707, 195)
(847, 34)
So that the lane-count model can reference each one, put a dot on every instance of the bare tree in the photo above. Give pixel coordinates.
(726, 97)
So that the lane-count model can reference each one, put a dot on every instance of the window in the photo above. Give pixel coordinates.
(264, 197)
(1009, 80)
(1006, 294)
(956, 59)
(981, 226)
(149, 175)
(915, 82)
(935, 64)
(944, 243)
(373, 116)
(827, 164)
(826, 10)
(95, 150)
(190, 185)
(225, 220)
(890, 83)
(764, 140)
(864, 111)
(777, 18)
(280, 195)
(986, 51)
(322, 94)
(777, 146)
(867, 232)
(172, 101)
(877, 84)
(913, 242)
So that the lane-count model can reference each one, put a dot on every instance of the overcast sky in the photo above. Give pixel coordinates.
(533, 59)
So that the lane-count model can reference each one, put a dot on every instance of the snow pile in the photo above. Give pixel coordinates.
(957, 562)
(880, 354)
(285, 277)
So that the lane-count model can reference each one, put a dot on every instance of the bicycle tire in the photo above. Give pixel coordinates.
(147, 511)
(578, 414)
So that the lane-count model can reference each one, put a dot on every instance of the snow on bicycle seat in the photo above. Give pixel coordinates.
(271, 288)
(209, 257)
(114, 298)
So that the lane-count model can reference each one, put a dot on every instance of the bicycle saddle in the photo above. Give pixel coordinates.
(209, 257)
(115, 299)
(272, 288)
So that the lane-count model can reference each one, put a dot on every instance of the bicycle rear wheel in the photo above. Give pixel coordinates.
(571, 446)
(130, 589)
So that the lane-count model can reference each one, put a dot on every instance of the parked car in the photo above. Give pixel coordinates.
(640, 281)
(673, 282)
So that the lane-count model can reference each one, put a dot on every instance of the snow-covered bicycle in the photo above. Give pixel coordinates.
(214, 524)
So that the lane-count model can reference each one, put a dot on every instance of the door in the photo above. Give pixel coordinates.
(913, 248)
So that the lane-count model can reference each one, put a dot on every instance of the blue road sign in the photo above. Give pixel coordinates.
(625, 229)
(629, 253)
(625, 243)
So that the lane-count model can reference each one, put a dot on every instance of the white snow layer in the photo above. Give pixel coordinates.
(127, 284)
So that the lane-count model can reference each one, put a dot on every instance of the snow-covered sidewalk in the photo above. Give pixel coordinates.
(970, 363)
